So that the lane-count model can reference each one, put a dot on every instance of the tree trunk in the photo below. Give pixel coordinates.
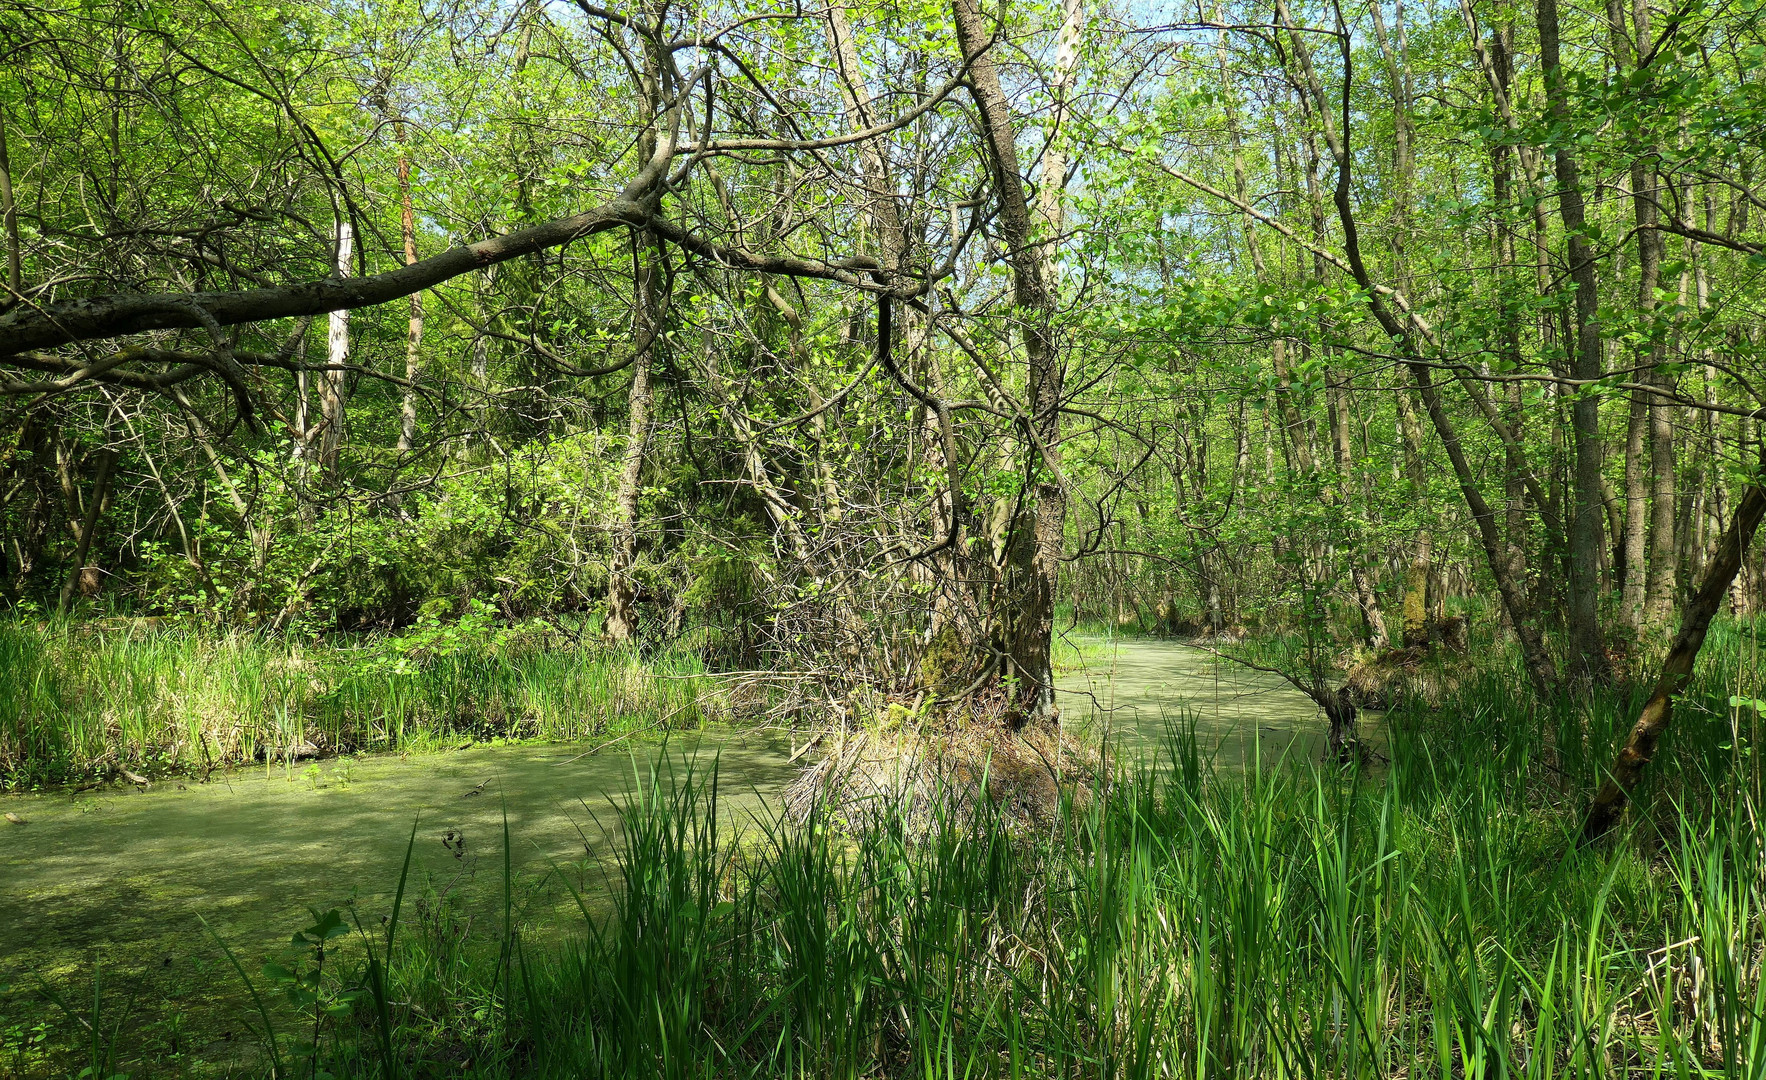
(1643, 483)
(1622, 779)
(331, 403)
(88, 525)
(1663, 547)
(1663, 544)
(1498, 63)
(1416, 575)
(1374, 624)
(1588, 650)
(1344, 738)
(303, 425)
(622, 620)
(1299, 431)
(9, 221)
(1629, 568)
(1037, 555)
(414, 333)
(1052, 177)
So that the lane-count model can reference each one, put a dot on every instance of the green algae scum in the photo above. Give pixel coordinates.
(126, 890)
(880, 541)
(645, 911)
(115, 881)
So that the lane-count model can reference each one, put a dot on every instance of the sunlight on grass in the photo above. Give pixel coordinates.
(79, 702)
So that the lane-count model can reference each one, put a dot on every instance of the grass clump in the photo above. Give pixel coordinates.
(89, 702)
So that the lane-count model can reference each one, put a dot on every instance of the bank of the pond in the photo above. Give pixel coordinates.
(121, 699)
(93, 702)
(1434, 918)
(111, 880)
(1244, 923)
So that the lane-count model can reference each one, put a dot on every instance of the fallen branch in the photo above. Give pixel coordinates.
(1695, 619)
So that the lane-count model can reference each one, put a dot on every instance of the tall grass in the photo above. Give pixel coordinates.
(81, 702)
(1435, 918)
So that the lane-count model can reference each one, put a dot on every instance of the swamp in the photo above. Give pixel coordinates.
(1042, 539)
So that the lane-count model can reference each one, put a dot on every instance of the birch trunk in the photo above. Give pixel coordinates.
(414, 331)
(9, 221)
(337, 352)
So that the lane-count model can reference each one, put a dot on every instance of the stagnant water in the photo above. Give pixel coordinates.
(1141, 692)
(118, 878)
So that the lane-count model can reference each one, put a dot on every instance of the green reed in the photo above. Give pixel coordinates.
(1429, 916)
(1432, 917)
(80, 702)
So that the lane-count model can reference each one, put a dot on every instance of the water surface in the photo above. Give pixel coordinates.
(118, 877)
(1140, 691)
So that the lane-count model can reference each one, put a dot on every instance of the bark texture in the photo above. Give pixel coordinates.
(1036, 556)
(1588, 650)
(622, 621)
(414, 331)
(1695, 620)
(337, 354)
(9, 221)
(88, 525)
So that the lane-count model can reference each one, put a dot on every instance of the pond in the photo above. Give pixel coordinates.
(118, 878)
(1141, 691)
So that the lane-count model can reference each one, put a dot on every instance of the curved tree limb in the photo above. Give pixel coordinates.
(1695, 620)
(98, 317)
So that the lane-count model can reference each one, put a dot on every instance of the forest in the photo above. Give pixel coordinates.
(1034, 539)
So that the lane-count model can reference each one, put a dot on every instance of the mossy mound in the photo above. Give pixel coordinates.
(1414, 675)
(946, 764)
